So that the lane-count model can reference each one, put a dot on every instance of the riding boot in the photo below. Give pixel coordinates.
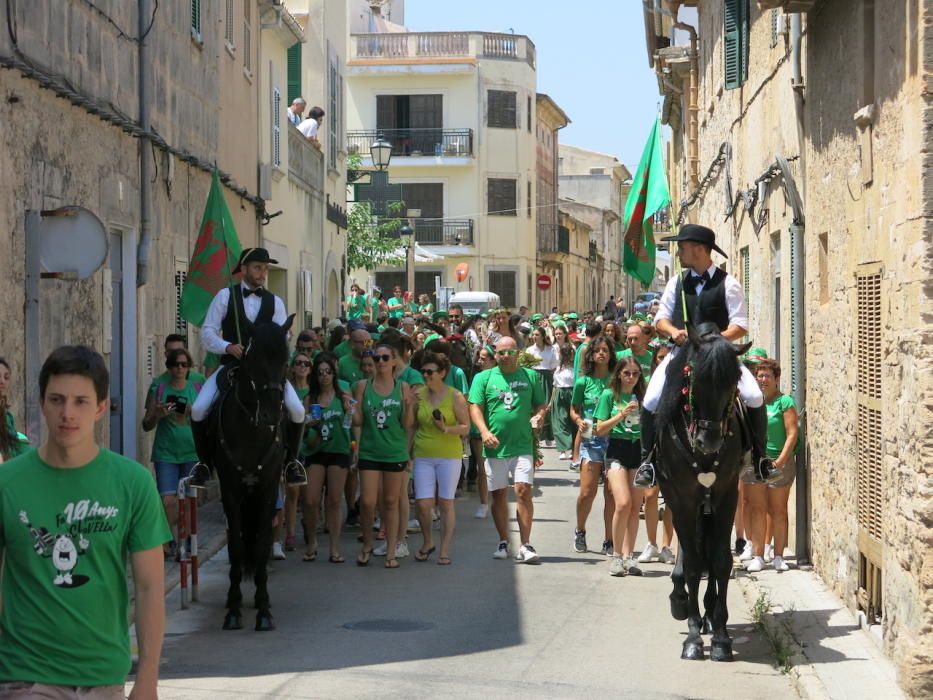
(201, 471)
(765, 470)
(295, 474)
(645, 476)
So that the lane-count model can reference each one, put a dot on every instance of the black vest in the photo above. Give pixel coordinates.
(228, 327)
(708, 306)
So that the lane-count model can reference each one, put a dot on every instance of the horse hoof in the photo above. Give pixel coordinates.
(233, 621)
(264, 622)
(693, 651)
(679, 608)
(721, 651)
(706, 627)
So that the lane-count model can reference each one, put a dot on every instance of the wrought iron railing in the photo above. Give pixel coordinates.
(435, 231)
(414, 142)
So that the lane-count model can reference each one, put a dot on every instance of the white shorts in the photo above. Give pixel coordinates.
(497, 471)
(440, 473)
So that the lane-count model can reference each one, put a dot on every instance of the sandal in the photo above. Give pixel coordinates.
(392, 563)
(422, 555)
(443, 561)
(336, 559)
(363, 558)
(309, 557)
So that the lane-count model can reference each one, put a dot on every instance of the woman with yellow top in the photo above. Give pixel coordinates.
(442, 420)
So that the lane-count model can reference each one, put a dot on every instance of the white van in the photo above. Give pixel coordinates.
(475, 302)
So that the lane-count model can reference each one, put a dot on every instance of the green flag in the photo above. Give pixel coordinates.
(215, 254)
(649, 194)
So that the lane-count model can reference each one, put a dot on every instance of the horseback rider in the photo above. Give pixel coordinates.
(710, 295)
(226, 331)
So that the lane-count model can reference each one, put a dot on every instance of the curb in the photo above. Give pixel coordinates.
(802, 674)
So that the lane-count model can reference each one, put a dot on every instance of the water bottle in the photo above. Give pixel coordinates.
(348, 416)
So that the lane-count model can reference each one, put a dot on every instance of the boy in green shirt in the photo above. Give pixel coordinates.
(71, 513)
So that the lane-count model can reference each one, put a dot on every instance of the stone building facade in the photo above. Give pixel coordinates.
(552, 241)
(833, 241)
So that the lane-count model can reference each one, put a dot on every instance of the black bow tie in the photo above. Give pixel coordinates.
(258, 292)
(694, 279)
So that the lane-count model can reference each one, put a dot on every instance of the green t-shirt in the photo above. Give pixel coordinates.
(334, 437)
(586, 393)
(348, 369)
(174, 442)
(343, 348)
(66, 534)
(777, 433)
(302, 392)
(382, 437)
(411, 376)
(166, 378)
(399, 312)
(456, 378)
(644, 361)
(508, 402)
(356, 306)
(578, 358)
(426, 309)
(19, 443)
(629, 428)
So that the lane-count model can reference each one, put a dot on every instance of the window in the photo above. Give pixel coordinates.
(529, 115)
(504, 283)
(744, 256)
(247, 46)
(412, 123)
(501, 194)
(181, 274)
(196, 20)
(775, 19)
(735, 43)
(502, 110)
(426, 196)
(276, 128)
(293, 84)
(528, 200)
(228, 23)
(332, 109)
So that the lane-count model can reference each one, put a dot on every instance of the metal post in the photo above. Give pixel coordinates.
(33, 356)
(183, 540)
(193, 533)
(412, 214)
(802, 492)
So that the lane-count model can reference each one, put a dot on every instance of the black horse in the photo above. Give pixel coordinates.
(700, 456)
(248, 421)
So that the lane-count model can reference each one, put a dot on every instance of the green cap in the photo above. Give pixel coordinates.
(433, 336)
(756, 355)
(438, 315)
(572, 316)
(536, 317)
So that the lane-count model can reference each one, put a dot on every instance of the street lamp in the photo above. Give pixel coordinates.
(381, 152)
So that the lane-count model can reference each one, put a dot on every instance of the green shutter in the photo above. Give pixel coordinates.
(294, 72)
(196, 17)
(735, 42)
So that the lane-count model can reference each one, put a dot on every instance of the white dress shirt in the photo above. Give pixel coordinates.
(308, 128)
(735, 299)
(211, 334)
(548, 358)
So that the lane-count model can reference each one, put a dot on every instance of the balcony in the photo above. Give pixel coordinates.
(553, 239)
(421, 47)
(414, 142)
(443, 231)
(305, 163)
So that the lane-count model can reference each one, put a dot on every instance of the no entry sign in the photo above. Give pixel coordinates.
(544, 282)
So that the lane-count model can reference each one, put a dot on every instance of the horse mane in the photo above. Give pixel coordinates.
(270, 343)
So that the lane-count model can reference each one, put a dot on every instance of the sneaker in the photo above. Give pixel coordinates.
(481, 512)
(739, 546)
(617, 566)
(769, 552)
(650, 553)
(377, 524)
(579, 541)
(755, 564)
(631, 567)
(277, 551)
(380, 551)
(778, 563)
(607, 548)
(401, 550)
(414, 525)
(549, 443)
(747, 552)
(666, 556)
(526, 555)
(563, 455)
(574, 467)
(502, 551)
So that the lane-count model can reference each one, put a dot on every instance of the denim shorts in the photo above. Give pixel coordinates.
(594, 449)
(168, 474)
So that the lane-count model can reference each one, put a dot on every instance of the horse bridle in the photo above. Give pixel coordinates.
(278, 388)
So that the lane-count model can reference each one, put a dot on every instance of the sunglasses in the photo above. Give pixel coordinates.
(429, 372)
(504, 353)
(630, 374)
(179, 364)
(382, 358)
(324, 371)
(305, 348)
(302, 363)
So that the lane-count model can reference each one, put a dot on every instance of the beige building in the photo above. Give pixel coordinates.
(599, 180)
(72, 110)
(459, 110)
(831, 240)
(572, 262)
(552, 242)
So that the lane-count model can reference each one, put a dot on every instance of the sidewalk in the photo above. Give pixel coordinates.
(828, 654)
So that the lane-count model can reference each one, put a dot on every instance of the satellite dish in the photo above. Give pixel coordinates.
(72, 242)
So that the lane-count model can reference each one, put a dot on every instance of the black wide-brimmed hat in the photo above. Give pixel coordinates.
(253, 255)
(698, 234)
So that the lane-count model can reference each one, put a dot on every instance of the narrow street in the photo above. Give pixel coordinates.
(480, 627)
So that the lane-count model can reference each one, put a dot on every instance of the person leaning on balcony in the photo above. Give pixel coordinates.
(296, 109)
(309, 127)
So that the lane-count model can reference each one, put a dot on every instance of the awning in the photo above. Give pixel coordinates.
(422, 255)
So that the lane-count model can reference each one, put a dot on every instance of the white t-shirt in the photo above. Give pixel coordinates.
(563, 378)
(309, 128)
(547, 356)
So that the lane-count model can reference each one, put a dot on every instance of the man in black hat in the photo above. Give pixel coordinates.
(711, 295)
(226, 331)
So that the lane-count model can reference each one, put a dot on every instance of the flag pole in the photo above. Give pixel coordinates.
(678, 267)
(223, 236)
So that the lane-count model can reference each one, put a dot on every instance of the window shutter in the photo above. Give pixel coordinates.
(196, 19)
(293, 84)
(181, 274)
(502, 110)
(501, 194)
(228, 22)
(276, 127)
(504, 283)
(774, 27)
(735, 43)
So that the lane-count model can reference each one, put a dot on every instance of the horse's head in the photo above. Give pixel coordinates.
(711, 381)
(263, 370)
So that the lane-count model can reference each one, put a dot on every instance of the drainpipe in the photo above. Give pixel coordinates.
(796, 34)
(693, 106)
(145, 151)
